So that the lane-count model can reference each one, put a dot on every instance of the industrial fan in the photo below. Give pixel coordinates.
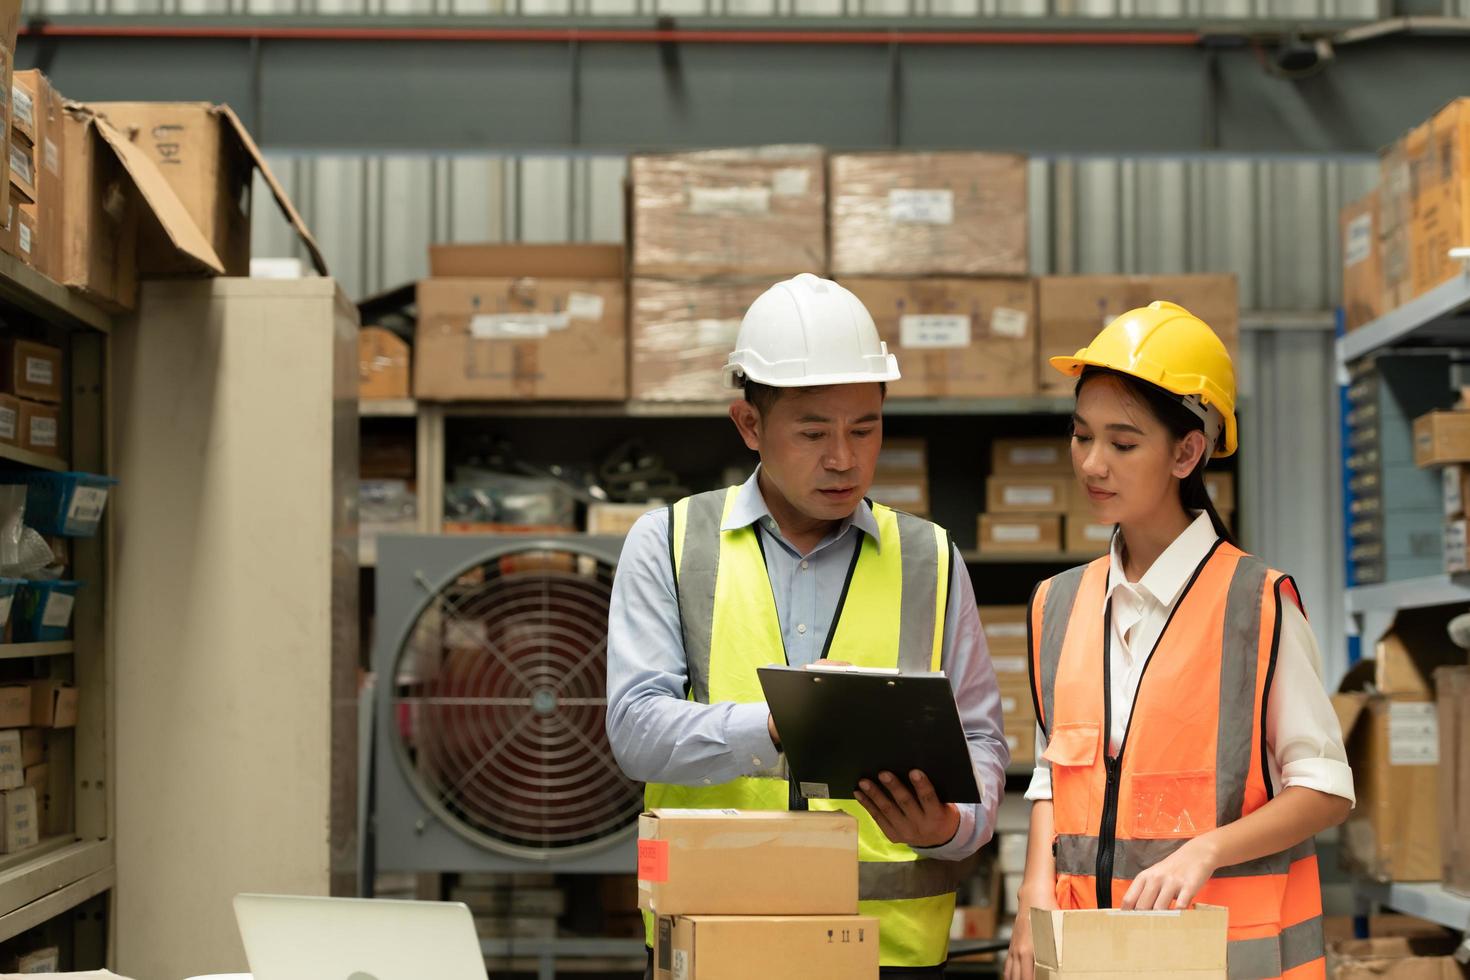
(491, 666)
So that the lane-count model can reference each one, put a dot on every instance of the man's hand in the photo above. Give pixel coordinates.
(916, 818)
(1176, 880)
(775, 736)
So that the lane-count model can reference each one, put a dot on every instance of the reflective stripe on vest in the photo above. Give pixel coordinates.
(1193, 757)
(892, 615)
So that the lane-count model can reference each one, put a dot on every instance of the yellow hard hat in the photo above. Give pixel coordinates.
(1166, 345)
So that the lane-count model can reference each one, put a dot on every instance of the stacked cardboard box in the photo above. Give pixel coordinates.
(1029, 490)
(9, 28)
(1363, 294)
(1439, 175)
(901, 479)
(20, 237)
(32, 382)
(1453, 689)
(502, 322)
(754, 894)
(1456, 480)
(1443, 439)
(711, 231)
(26, 712)
(1005, 638)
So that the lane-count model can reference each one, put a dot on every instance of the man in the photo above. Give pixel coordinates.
(795, 566)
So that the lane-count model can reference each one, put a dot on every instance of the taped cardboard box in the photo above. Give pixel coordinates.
(1011, 457)
(1453, 685)
(772, 947)
(1074, 309)
(31, 370)
(1394, 958)
(1442, 437)
(1362, 263)
(500, 339)
(1019, 534)
(1439, 173)
(1106, 944)
(209, 159)
(728, 213)
(681, 335)
(383, 364)
(1028, 494)
(111, 191)
(730, 862)
(929, 214)
(956, 338)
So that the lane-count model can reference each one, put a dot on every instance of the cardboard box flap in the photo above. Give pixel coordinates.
(1349, 708)
(1415, 645)
(165, 205)
(279, 193)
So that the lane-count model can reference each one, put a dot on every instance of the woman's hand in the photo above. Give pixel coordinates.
(1176, 880)
(1021, 960)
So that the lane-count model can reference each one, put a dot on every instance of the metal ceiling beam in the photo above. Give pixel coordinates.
(535, 84)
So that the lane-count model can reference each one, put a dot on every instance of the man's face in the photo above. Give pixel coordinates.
(819, 446)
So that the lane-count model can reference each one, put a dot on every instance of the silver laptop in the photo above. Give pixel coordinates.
(290, 937)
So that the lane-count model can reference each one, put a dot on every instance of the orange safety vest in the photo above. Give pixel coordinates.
(1193, 755)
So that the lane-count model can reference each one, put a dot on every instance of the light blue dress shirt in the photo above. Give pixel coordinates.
(659, 736)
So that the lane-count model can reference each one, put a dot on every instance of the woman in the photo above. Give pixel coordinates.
(1187, 749)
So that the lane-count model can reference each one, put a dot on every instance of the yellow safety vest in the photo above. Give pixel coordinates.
(892, 615)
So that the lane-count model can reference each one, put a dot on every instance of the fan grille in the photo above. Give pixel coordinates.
(500, 700)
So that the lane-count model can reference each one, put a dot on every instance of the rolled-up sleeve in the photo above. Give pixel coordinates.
(1302, 731)
(657, 734)
(966, 661)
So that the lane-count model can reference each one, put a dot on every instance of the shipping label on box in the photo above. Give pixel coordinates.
(771, 947)
(12, 767)
(1024, 456)
(908, 456)
(22, 819)
(909, 494)
(1027, 494)
(1005, 630)
(1457, 546)
(730, 862)
(1020, 533)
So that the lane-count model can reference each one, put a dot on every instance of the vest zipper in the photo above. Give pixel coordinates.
(1108, 834)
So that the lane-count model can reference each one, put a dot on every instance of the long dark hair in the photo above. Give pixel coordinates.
(1180, 422)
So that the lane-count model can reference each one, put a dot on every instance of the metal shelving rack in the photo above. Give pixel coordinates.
(65, 870)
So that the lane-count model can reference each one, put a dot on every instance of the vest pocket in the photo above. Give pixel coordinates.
(1171, 804)
(1072, 750)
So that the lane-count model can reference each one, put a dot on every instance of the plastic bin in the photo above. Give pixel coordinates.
(43, 610)
(8, 589)
(68, 504)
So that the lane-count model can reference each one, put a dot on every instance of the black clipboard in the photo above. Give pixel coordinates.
(840, 725)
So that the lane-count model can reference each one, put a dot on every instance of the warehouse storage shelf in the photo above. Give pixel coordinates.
(1439, 317)
(21, 651)
(387, 408)
(27, 458)
(1433, 590)
(23, 286)
(1040, 558)
(50, 878)
(1428, 900)
(1031, 405)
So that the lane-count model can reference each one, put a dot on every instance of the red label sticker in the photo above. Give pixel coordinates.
(653, 861)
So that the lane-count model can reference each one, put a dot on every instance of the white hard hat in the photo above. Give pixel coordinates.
(808, 331)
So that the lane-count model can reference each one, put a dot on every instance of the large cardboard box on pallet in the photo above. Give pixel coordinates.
(771, 947)
(929, 214)
(1074, 309)
(1105, 944)
(681, 334)
(1439, 173)
(209, 159)
(956, 338)
(758, 212)
(729, 862)
(520, 338)
(1362, 262)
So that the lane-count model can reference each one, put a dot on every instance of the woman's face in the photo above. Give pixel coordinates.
(1126, 460)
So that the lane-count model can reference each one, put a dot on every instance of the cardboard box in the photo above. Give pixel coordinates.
(1393, 748)
(906, 493)
(1020, 533)
(23, 107)
(51, 204)
(36, 777)
(929, 214)
(1107, 944)
(1396, 204)
(9, 420)
(1022, 745)
(32, 742)
(502, 339)
(383, 364)
(1362, 263)
(1028, 494)
(31, 370)
(772, 947)
(682, 334)
(1085, 536)
(1015, 457)
(490, 260)
(1221, 488)
(904, 456)
(1074, 310)
(209, 160)
(1414, 647)
(1439, 173)
(1457, 546)
(956, 338)
(1453, 684)
(111, 191)
(615, 518)
(1005, 632)
(22, 819)
(9, 28)
(1394, 958)
(1456, 478)
(12, 769)
(1442, 437)
(40, 428)
(724, 862)
(728, 213)
(15, 706)
(53, 704)
(19, 237)
(22, 172)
